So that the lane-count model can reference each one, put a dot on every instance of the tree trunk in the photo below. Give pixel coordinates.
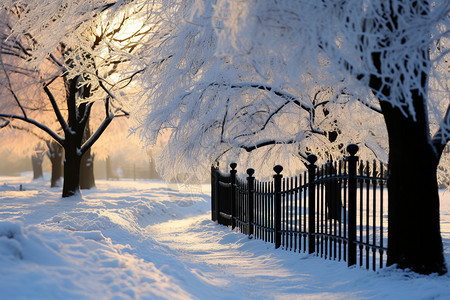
(72, 163)
(414, 225)
(333, 195)
(73, 139)
(55, 152)
(110, 174)
(87, 180)
(152, 169)
(36, 162)
(414, 237)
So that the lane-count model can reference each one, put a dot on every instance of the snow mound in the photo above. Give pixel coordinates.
(7, 187)
(62, 264)
(15, 244)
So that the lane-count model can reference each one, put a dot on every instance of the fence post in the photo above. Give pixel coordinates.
(311, 203)
(233, 193)
(277, 184)
(250, 180)
(217, 197)
(352, 185)
(213, 193)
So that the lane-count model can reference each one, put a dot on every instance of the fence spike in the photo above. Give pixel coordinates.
(311, 159)
(352, 186)
(278, 169)
(311, 203)
(233, 194)
(352, 149)
(250, 186)
(277, 185)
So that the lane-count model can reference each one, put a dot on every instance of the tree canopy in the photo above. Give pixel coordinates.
(222, 108)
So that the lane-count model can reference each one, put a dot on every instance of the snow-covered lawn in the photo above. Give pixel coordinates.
(148, 240)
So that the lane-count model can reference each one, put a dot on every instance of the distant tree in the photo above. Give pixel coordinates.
(87, 47)
(37, 159)
(55, 154)
(24, 141)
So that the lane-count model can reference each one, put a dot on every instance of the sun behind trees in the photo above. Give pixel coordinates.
(69, 70)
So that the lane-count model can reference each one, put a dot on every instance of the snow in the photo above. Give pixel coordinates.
(152, 240)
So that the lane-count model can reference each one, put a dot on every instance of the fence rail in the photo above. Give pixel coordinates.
(337, 211)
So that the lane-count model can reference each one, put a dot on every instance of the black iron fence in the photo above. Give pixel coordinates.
(337, 211)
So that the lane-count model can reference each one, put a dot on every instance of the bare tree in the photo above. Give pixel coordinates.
(92, 48)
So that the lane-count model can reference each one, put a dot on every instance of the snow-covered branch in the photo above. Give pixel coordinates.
(261, 144)
(56, 109)
(37, 124)
(268, 88)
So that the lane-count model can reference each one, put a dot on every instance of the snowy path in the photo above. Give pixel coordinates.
(234, 267)
(225, 260)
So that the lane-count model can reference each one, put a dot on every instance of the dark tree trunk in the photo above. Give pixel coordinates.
(87, 180)
(414, 225)
(36, 162)
(414, 238)
(333, 195)
(72, 162)
(55, 153)
(73, 140)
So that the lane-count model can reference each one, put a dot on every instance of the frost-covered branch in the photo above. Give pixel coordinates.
(8, 81)
(5, 124)
(27, 130)
(268, 88)
(261, 144)
(56, 109)
(37, 124)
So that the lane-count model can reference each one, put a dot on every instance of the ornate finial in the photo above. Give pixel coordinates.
(352, 149)
(250, 172)
(233, 166)
(311, 159)
(278, 169)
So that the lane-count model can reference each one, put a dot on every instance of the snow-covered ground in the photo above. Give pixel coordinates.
(148, 240)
